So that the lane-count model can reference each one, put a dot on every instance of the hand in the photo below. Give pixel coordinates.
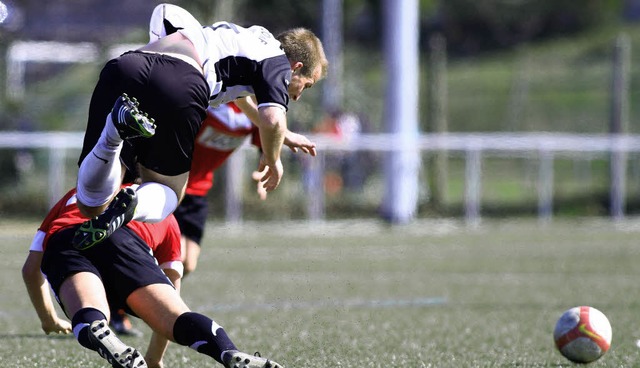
(57, 326)
(299, 142)
(272, 174)
(257, 175)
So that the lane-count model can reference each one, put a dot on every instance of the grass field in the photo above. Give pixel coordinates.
(361, 294)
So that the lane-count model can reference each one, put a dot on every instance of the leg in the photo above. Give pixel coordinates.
(84, 298)
(171, 317)
(82, 290)
(152, 202)
(191, 216)
(99, 177)
(100, 172)
(120, 323)
(190, 254)
(166, 304)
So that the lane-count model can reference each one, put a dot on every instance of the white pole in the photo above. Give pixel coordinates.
(234, 186)
(401, 110)
(332, 41)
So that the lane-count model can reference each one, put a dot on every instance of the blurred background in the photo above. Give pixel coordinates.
(517, 107)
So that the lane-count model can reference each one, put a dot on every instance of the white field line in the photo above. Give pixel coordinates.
(324, 304)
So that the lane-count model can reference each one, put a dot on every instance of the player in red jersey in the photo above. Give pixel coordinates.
(123, 273)
(162, 241)
(225, 129)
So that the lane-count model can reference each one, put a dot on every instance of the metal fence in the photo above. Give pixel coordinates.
(473, 148)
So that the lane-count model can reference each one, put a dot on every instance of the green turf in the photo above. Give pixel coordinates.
(361, 294)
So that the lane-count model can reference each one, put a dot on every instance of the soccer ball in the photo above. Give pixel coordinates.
(582, 334)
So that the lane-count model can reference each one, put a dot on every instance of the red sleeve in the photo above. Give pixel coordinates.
(168, 249)
(56, 211)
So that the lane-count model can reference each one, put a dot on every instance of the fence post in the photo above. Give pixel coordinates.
(545, 186)
(233, 186)
(473, 185)
(618, 178)
(313, 179)
(619, 123)
(57, 173)
(437, 115)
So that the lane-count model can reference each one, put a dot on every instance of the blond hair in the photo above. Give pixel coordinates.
(300, 44)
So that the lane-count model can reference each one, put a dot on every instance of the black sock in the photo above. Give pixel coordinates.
(197, 332)
(80, 323)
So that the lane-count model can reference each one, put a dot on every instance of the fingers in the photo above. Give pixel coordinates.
(256, 175)
(262, 192)
(298, 142)
(271, 178)
(312, 151)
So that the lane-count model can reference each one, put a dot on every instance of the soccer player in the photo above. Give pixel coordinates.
(174, 79)
(123, 274)
(224, 130)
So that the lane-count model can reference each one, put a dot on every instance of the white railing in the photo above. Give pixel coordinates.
(473, 146)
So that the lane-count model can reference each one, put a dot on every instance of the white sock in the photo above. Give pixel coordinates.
(110, 132)
(100, 172)
(155, 202)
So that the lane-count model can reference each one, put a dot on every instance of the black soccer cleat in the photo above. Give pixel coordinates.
(119, 212)
(130, 121)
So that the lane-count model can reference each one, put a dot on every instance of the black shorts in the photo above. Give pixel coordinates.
(123, 262)
(170, 90)
(192, 216)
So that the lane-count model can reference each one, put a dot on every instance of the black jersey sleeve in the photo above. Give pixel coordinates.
(274, 82)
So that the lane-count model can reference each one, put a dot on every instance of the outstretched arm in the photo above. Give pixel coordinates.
(292, 140)
(38, 289)
(272, 126)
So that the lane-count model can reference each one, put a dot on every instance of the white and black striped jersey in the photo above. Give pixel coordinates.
(240, 62)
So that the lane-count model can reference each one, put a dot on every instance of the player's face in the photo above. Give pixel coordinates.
(301, 82)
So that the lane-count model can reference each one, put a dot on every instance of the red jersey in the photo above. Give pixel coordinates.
(224, 130)
(163, 237)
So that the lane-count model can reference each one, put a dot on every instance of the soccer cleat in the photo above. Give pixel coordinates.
(129, 120)
(109, 346)
(119, 212)
(237, 359)
(120, 323)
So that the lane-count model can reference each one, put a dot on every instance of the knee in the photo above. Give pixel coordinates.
(89, 211)
(189, 267)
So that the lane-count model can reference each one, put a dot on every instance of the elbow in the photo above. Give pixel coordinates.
(31, 269)
(273, 118)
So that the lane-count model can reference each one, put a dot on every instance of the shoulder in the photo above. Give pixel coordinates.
(255, 42)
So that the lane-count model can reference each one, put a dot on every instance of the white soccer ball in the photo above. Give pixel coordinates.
(582, 334)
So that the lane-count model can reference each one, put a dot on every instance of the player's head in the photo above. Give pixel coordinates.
(306, 55)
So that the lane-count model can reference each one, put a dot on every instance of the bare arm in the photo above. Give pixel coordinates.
(292, 140)
(249, 107)
(38, 289)
(272, 126)
(158, 344)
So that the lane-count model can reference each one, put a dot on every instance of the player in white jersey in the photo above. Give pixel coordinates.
(173, 80)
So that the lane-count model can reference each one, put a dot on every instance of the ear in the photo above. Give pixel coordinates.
(296, 65)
